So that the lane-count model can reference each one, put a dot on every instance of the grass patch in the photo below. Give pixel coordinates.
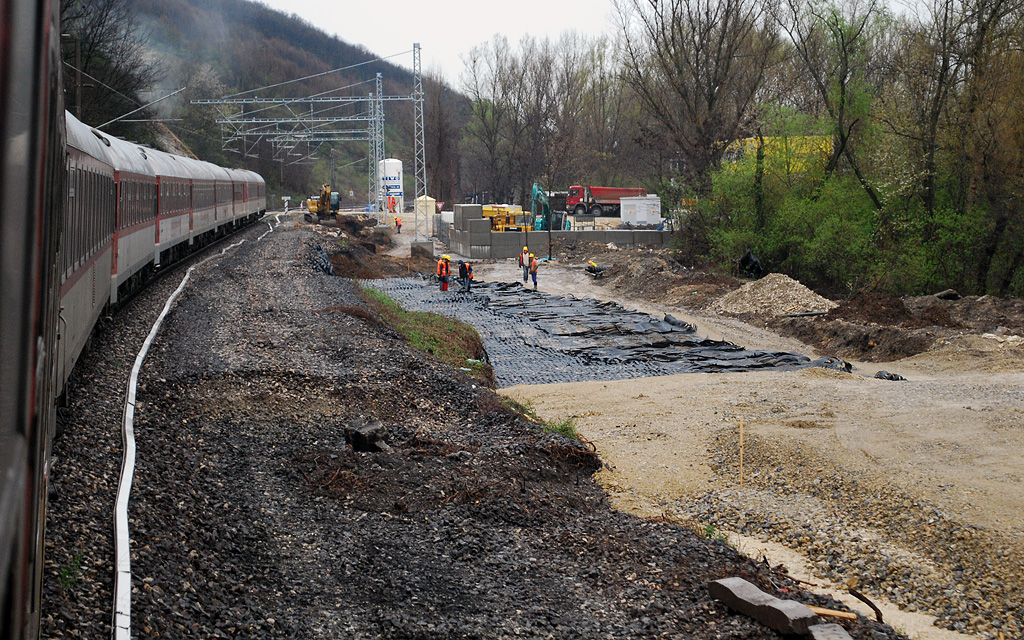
(69, 574)
(446, 339)
(566, 426)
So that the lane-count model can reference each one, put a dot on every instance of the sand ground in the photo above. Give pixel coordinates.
(949, 435)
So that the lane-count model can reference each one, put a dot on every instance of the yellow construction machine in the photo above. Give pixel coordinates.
(506, 217)
(320, 204)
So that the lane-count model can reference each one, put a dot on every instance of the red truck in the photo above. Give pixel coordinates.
(598, 200)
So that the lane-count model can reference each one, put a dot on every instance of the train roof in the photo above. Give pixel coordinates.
(168, 164)
(202, 170)
(128, 156)
(81, 137)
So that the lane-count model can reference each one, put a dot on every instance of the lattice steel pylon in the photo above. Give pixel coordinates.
(378, 148)
(288, 128)
(419, 151)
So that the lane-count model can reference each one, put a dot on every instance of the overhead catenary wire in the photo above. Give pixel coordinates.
(316, 75)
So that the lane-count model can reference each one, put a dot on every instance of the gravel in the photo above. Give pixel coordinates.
(252, 517)
(775, 294)
(897, 544)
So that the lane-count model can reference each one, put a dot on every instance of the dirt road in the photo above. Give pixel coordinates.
(910, 488)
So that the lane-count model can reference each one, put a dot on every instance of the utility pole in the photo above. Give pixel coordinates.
(333, 185)
(78, 77)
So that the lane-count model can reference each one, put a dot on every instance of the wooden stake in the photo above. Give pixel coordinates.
(832, 613)
(741, 452)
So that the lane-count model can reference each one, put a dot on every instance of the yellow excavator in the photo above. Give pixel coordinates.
(321, 204)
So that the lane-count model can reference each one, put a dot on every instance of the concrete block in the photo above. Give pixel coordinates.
(829, 631)
(784, 616)
(469, 211)
(507, 239)
(592, 236)
(480, 251)
(501, 252)
(478, 225)
(621, 237)
(656, 238)
(479, 238)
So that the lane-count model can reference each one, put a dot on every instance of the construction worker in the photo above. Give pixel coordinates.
(398, 225)
(465, 275)
(444, 271)
(533, 270)
(524, 262)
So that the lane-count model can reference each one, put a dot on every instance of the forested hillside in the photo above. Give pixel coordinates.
(221, 48)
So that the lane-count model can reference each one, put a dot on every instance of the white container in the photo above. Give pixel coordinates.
(641, 210)
(390, 171)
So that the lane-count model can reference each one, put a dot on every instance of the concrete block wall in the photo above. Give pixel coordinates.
(479, 231)
(479, 243)
(622, 238)
(464, 213)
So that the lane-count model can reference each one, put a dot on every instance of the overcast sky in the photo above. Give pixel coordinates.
(447, 29)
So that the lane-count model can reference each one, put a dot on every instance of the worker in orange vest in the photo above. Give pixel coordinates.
(533, 270)
(398, 225)
(444, 270)
(524, 262)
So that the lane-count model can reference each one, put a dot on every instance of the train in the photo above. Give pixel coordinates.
(85, 220)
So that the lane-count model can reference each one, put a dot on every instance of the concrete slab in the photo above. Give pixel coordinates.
(784, 616)
(478, 225)
(621, 237)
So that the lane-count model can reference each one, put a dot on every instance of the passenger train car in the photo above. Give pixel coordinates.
(85, 218)
(131, 210)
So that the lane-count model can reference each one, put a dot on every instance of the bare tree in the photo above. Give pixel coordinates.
(444, 125)
(834, 42)
(105, 58)
(485, 143)
(696, 66)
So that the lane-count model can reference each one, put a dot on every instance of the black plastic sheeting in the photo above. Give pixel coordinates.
(533, 337)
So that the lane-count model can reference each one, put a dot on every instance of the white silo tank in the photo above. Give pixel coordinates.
(390, 171)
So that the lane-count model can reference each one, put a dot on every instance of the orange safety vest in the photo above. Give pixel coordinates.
(533, 265)
(443, 268)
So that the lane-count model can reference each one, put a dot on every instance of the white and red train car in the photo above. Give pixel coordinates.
(83, 220)
(130, 210)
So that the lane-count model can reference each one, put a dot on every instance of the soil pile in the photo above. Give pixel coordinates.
(357, 250)
(648, 274)
(771, 296)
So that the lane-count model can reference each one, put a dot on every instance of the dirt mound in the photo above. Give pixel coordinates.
(883, 308)
(772, 296)
(358, 249)
(649, 273)
(984, 314)
(358, 261)
(656, 276)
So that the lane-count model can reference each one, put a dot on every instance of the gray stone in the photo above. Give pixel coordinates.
(784, 616)
(366, 434)
(829, 631)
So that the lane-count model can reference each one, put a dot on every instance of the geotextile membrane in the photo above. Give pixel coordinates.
(533, 337)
